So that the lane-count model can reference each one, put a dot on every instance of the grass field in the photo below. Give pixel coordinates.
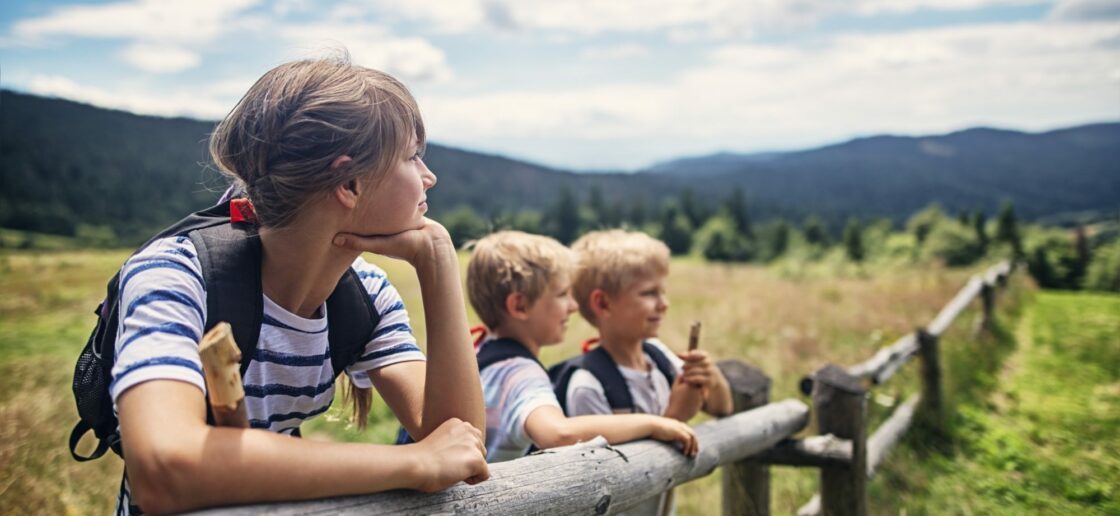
(786, 323)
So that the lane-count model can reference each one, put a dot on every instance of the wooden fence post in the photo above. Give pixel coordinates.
(746, 484)
(840, 403)
(931, 408)
(988, 297)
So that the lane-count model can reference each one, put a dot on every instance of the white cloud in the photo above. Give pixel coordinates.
(1022, 75)
(1086, 10)
(159, 58)
(624, 51)
(145, 20)
(687, 18)
(411, 59)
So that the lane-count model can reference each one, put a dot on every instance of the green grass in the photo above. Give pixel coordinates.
(785, 322)
(1039, 435)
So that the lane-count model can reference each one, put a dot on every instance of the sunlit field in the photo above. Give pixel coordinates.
(784, 319)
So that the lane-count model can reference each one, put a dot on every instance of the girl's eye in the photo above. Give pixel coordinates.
(417, 157)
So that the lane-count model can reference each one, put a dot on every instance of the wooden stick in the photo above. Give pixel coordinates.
(221, 365)
(694, 336)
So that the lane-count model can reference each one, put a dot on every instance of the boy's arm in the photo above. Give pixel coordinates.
(176, 462)
(718, 401)
(685, 401)
(548, 428)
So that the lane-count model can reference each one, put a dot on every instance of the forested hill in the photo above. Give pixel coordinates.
(68, 167)
(1074, 169)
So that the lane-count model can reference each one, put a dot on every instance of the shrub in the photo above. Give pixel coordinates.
(954, 244)
(1104, 270)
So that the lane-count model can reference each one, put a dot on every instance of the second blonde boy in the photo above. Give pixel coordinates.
(519, 284)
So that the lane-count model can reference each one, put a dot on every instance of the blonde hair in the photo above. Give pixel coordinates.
(512, 261)
(612, 261)
(279, 141)
(281, 138)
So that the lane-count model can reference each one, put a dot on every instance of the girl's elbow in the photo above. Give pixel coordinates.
(160, 482)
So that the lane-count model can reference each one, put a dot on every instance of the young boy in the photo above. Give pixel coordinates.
(519, 285)
(619, 284)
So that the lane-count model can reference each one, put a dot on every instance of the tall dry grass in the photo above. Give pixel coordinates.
(785, 324)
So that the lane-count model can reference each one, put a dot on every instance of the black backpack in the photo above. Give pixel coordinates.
(600, 364)
(230, 256)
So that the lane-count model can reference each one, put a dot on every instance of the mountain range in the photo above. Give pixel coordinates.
(66, 164)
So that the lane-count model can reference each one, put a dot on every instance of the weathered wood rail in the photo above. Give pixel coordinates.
(596, 478)
(840, 402)
(588, 478)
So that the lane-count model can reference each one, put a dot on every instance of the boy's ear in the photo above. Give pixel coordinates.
(517, 306)
(599, 302)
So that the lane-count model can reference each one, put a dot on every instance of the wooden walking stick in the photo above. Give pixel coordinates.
(221, 365)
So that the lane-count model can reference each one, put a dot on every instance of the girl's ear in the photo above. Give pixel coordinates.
(599, 302)
(516, 306)
(346, 193)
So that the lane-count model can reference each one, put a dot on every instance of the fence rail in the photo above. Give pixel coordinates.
(589, 478)
(596, 478)
(843, 488)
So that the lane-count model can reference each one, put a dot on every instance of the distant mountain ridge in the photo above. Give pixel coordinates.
(65, 164)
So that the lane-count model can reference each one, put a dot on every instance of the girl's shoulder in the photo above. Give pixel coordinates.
(368, 272)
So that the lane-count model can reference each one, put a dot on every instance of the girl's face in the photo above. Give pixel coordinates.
(398, 201)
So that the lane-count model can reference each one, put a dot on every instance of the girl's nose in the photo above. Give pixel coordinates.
(427, 177)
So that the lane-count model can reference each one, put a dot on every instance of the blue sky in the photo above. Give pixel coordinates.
(603, 84)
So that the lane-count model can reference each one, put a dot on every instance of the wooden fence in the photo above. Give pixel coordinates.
(840, 405)
(596, 478)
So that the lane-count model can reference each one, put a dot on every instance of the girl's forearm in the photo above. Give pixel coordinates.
(452, 388)
(225, 466)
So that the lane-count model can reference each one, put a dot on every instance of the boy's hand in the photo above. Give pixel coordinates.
(453, 452)
(415, 246)
(698, 370)
(666, 429)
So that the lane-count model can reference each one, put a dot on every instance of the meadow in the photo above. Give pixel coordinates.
(786, 319)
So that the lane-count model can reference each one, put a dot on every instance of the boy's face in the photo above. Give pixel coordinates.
(637, 310)
(548, 316)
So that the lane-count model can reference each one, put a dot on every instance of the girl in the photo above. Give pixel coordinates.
(327, 152)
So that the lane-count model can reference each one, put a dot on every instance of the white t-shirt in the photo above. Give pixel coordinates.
(650, 391)
(289, 379)
(513, 389)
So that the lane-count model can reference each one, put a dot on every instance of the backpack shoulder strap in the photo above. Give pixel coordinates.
(600, 364)
(230, 256)
(661, 361)
(351, 321)
(497, 350)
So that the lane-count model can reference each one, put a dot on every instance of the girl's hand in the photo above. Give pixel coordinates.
(415, 246)
(666, 429)
(698, 369)
(453, 452)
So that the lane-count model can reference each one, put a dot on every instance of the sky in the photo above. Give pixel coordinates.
(602, 84)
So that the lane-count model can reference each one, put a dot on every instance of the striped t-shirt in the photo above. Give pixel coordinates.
(290, 377)
(513, 389)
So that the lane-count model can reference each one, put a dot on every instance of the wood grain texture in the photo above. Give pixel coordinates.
(591, 478)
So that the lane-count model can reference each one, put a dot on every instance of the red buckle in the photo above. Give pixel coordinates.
(241, 210)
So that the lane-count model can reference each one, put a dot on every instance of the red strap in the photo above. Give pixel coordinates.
(241, 210)
(586, 346)
(480, 333)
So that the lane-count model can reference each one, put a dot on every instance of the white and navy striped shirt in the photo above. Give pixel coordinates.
(290, 377)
